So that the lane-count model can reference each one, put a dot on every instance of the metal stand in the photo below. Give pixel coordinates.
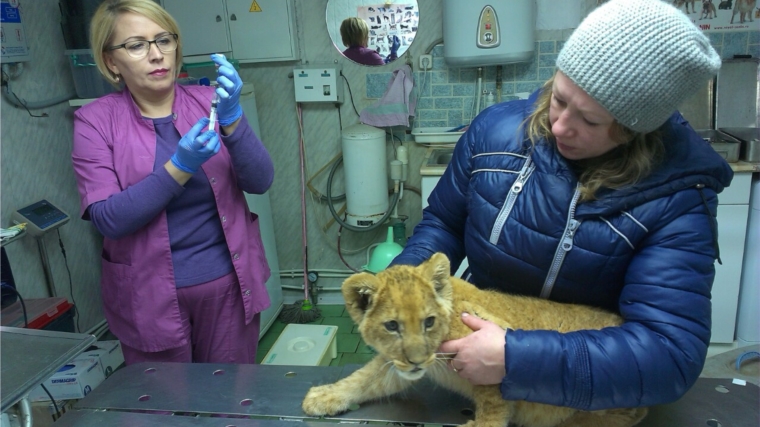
(46, 267)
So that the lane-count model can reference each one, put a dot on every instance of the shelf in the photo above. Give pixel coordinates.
(78, 102)
(9, 240)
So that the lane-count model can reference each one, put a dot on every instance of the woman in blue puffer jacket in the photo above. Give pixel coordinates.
(592, 191)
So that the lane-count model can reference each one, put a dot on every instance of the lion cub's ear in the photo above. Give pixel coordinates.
(437, 269)
(358, 291)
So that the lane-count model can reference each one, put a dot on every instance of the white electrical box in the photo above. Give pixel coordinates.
(14, 44)
(40, 217)
(318, 84)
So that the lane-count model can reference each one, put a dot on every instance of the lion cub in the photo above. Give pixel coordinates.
(405, 313)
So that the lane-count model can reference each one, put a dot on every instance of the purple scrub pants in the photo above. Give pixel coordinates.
(214, 322)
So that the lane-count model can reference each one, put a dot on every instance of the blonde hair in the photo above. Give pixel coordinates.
(354, 32)
(631, 161)
(104, 20)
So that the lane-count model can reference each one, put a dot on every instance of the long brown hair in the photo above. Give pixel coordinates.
(633, 160)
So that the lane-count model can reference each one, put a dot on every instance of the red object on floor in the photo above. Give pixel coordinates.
(40, 312)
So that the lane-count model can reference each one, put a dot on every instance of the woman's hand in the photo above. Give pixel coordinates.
(195, 147)
(229, 87)
(480, 355)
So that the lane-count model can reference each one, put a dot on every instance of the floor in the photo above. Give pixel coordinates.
(351, 347)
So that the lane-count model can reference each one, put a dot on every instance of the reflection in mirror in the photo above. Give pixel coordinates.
(370, 32)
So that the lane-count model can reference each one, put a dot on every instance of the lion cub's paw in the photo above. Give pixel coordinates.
(324, 400)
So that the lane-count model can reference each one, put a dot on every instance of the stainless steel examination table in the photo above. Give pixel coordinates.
(174, 394)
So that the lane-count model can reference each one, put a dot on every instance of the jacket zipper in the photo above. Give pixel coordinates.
(517, 187)
(565, 246)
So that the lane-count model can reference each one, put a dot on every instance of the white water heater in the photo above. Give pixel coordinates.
(488, 32)
(366, 174)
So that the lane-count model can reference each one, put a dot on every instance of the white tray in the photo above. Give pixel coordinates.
(440, 135)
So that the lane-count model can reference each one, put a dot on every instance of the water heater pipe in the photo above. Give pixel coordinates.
(475, 110)
(498, 83)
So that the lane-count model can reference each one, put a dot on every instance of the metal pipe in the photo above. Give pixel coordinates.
(25, 410)
(46, 267)
(498, 83)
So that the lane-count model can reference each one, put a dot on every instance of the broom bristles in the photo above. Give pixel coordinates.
(300, 312)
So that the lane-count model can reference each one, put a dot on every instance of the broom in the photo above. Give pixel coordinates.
(302, 311)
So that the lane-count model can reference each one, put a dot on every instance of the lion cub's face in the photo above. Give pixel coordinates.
(403, 312)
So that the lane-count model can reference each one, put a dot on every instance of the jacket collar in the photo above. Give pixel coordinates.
(689, 161)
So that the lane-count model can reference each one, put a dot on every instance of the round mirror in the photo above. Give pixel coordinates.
(370, 32)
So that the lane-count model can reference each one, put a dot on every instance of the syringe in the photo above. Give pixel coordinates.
(212, 115)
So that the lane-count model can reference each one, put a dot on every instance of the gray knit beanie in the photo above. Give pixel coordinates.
(640, 59)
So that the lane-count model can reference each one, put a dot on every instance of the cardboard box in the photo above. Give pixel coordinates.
(107, 352)
(75, 380)
(44, 414)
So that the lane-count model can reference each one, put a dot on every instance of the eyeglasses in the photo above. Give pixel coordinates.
(139, 48)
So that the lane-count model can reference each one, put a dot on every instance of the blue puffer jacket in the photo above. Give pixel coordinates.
(646, 252)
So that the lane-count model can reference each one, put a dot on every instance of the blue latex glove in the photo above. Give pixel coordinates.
(394, 50)
(196, 147)
(395, 45)
(228, 90)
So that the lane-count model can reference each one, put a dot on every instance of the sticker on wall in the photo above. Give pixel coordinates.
(255, 7)
(721, 15)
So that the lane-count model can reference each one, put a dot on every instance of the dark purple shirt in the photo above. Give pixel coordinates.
(198, 247)
(363, 55)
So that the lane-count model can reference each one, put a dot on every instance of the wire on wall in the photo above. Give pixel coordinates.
(71, 285)
(350, 95)
(12, 98)
(13, 290)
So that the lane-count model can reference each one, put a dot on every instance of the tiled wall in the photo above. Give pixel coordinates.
(447, 94)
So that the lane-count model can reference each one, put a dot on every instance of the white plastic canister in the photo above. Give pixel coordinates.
(366, 174)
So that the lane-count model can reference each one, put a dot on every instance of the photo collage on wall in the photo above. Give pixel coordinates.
(719, 15)
(388, 20)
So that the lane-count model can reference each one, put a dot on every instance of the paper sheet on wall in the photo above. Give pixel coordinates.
(718, 15)
(385, 22)
(726, 15)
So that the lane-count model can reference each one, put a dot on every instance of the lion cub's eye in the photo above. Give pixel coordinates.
(391, 325)
(429, 322)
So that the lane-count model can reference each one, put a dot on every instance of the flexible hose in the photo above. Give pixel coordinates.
(338, 218)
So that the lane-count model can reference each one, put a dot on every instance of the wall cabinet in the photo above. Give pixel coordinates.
(733, 212)
(251, 31)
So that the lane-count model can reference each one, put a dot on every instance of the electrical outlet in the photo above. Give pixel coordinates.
(426, 62)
